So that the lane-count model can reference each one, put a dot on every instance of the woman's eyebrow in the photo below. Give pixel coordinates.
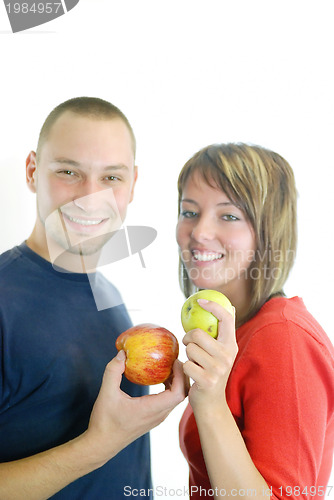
(188, 200)
(223, 203)
(227, 203)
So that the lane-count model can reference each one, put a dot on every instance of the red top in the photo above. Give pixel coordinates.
(281, 394)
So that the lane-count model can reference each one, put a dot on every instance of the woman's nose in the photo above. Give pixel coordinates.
(204, 230)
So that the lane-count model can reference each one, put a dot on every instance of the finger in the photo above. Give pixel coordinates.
(199, 356)
(174, 373)
(186, 384)
(196, 336)
(179, 384)
(112, 376)
(179, 378)
(217, 310)
(226, 321)
(193, 371)
(164, 402)
(203, 340)
(176, 390)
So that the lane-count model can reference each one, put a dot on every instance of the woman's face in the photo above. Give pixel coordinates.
(216, 240)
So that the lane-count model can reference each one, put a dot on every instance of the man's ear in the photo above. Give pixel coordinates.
(134, 183)
(31, 171)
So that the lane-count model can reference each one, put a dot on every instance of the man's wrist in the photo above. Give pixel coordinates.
(88, 453)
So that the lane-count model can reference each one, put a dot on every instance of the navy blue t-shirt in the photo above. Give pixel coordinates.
(54, 348)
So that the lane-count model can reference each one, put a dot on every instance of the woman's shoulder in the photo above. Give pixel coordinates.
(284, 320)
(280, 311)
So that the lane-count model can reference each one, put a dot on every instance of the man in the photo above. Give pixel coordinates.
(61, 433)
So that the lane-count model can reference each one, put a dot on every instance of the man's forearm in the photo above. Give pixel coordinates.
(42, 475)
(116, 421)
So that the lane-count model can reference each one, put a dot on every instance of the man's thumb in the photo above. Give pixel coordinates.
(113, 373)
(121, 355)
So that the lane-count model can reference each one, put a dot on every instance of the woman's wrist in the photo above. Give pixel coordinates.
(212, 410)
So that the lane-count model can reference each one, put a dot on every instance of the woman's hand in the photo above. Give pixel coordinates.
(210, 360)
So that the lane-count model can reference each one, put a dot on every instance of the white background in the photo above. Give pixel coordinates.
(186, 73)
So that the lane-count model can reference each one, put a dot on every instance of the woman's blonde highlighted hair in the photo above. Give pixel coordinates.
(262, 183)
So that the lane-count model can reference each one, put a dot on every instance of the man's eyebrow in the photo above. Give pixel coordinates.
(73, 163)
(66, 161)
(118, 166)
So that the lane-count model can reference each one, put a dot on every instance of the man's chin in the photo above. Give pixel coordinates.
(70, 253)
(87, 246)
(78, 247)
(84, 249)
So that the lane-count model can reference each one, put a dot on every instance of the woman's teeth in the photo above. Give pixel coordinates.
(204, 257)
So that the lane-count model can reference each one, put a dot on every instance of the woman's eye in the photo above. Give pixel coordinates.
(229, 217)
(188, 214)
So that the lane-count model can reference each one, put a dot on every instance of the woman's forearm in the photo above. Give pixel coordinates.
(229, 465)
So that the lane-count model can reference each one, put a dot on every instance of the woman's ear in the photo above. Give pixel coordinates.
(31, 171)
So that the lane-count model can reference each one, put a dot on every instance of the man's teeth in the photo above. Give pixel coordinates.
(204, 257)
(85, 222)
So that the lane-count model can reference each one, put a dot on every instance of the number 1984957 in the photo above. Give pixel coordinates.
(35, 8)
(307, 490)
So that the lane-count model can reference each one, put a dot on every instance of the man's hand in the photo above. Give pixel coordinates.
(118, 419)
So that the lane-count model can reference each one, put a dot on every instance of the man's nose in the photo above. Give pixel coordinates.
(91, 197)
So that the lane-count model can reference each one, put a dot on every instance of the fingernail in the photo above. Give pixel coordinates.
(121, 355)
(202, 301)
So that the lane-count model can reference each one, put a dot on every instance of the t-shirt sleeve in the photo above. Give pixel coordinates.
(1, 365)
(287, 396)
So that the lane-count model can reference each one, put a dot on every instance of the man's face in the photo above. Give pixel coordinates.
(84, 181)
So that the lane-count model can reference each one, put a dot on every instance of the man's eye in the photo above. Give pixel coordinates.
(66, 172)
(112, 178)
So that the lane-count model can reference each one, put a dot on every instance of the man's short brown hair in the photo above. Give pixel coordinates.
(93, 107)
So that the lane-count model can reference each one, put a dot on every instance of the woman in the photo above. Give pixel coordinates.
(261, 416)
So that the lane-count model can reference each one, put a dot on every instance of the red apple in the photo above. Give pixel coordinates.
(150, 353)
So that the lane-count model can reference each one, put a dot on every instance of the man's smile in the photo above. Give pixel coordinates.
(84, 222)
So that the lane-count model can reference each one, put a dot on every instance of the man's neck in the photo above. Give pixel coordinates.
(38, 247)
(62, 259)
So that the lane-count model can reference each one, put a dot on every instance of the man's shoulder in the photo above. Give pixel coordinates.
(9, 256)
(8, 260)
(15, 277)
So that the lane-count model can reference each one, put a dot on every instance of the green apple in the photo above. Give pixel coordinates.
(194, 316)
